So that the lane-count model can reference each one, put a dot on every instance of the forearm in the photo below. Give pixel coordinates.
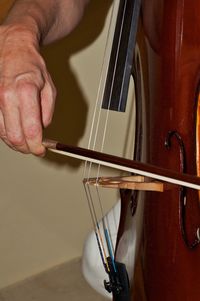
(46, 20)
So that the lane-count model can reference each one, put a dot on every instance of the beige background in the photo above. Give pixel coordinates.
(43, 211)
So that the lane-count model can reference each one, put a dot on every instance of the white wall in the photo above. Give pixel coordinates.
(43, 212)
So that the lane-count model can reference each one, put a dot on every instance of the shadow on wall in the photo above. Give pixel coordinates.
(71, 107)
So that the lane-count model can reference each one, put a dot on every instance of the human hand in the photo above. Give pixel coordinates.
(27, 93)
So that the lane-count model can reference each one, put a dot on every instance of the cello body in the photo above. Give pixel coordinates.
(166, 73)
(161, 257)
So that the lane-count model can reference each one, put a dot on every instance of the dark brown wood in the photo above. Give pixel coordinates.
(170, 253)
(87, 153)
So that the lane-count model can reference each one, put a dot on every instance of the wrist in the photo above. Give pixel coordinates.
(25, 33)
(31, 18)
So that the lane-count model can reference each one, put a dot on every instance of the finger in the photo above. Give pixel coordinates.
(3, 131)
(2, 127)
(48, 96)
(31, 118)
(11, 130)
(5, 140)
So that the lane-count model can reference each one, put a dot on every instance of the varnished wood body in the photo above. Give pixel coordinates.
(171, 267)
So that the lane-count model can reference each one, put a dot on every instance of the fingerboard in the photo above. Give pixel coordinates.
(121, 58)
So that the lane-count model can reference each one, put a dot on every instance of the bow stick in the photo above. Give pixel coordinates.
(123, 164)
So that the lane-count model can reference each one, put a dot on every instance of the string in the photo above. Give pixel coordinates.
(104, 70)
(94, 132)
(96, 228)
(87, 190)
(115, 66)
(102, 82)
(98, 101)
(107, 234)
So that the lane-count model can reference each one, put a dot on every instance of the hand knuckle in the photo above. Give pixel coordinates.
(32, 131)
(48, 121)
(25, 88)
(6, 94)
(31, 79)
(15, 139)
(2, 132)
